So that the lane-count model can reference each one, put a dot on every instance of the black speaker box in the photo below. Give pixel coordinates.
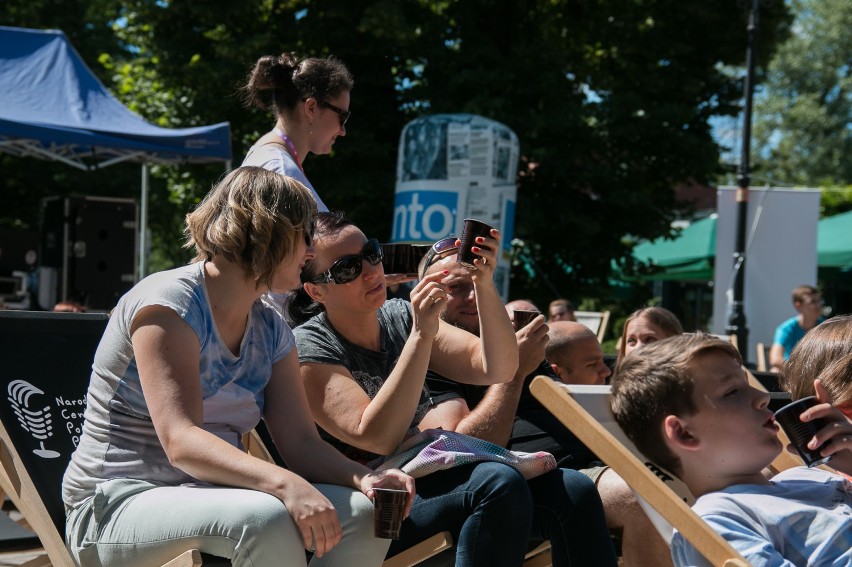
(93, 241)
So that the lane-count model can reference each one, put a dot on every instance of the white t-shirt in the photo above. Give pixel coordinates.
(274, 158)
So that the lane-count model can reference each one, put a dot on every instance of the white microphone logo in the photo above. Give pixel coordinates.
(37, 422)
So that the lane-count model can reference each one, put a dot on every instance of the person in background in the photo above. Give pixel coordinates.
(808, 303)
(510, 416)
(310, 101)
(190, 361)
(560, 310)
(645, 326)
(364, 360)
(687, 404)
(575, 354)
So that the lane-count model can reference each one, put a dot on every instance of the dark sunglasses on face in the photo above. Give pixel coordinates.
(441, 249)
(343, 115)
(349, 267)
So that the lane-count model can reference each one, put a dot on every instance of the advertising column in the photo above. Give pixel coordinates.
(452, 167)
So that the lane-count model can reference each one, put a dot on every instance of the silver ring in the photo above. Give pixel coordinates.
(484, 260)
(434, 299)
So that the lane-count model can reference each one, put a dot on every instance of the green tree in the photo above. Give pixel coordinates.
(803, 114)
(610, 101)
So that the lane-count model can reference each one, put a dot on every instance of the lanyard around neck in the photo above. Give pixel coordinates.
(290, 146)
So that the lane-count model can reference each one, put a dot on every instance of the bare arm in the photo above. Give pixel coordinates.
(167, 355)
(492, 358)
(493, 418)
(776, 357)
(341, 407)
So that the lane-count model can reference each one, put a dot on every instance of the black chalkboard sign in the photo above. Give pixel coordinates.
(45, 364)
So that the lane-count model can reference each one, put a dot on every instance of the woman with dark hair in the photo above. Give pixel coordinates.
(364, 360)
(310, 101)
(190, 361)
(645, 326)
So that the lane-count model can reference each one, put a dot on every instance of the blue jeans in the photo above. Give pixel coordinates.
(569, 512)
(487, 508)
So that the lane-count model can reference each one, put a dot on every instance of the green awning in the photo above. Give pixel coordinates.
(689, 256)
(834, 242)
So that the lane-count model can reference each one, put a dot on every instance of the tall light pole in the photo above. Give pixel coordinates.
(736, 310)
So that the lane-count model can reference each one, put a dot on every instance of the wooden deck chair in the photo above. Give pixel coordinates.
(760, 349)
(597, 321)
(646, 484)
(44, 374)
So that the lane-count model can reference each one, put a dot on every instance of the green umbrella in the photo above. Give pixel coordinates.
(689, 256)
(834, 242)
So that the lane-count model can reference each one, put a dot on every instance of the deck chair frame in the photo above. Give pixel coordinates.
(566, 409)
(588, 318)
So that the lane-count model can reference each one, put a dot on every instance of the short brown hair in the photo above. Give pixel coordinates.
(253, 218)
(803, 292)
(656, 382)
(825, 352)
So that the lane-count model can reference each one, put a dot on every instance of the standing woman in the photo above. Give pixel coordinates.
(310, 101)
(364, 361)
(190, 361)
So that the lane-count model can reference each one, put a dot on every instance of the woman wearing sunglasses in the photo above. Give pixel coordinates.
(191, 360)
(364, 361)
(310, 100)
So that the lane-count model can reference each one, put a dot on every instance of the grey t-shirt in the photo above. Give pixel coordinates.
(318, 341)
(119, 439)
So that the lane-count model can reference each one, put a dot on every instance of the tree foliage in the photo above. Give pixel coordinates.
(803, 114)
(610, 101)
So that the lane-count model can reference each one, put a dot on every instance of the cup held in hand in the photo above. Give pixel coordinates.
(523, 317)
(401, 258)
(801, 432)
(389, 506)
(471, 230)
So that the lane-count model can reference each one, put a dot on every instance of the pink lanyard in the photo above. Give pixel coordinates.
(291, 146)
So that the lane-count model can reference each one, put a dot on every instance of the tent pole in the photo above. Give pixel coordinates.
(143, 224)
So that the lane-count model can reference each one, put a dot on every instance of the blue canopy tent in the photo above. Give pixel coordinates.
(53, 107)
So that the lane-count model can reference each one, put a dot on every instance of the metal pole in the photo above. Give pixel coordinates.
(736, 310)
(143, 224)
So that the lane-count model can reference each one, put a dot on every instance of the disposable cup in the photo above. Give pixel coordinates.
(400, 258)
(470, 231)
(388, 508)
(800, 432)
(524, 317)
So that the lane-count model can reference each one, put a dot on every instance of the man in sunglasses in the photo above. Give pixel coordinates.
(508, 414)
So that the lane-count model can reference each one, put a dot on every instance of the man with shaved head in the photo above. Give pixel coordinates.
(575, 354)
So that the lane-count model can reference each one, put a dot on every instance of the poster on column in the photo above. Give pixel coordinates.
(452, 167)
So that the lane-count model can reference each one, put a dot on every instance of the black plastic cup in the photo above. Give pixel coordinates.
(524, 317)
(400, 258)
(472, 228)
(388, 508)
(800, 432)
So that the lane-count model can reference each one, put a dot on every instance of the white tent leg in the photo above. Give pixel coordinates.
(143, 224)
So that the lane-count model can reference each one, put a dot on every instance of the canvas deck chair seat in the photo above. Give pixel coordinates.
(652, 487)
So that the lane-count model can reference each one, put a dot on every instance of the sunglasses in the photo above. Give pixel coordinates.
(441, 249)
(343, 115)
(349, 267)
